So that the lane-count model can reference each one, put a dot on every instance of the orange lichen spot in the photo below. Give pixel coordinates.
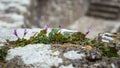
(52, 48)
(101, 43)
(115, 39)
(88, 47)
(69, 45)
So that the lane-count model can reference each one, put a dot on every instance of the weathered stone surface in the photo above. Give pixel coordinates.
(59, 12)
(44, 56)
(54, 13)
(13, 13)
(36, 55)
(96, 25)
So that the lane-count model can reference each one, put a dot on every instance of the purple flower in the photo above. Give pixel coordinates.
(60, 27)
(25, 32)
(15, 32)
(46, 27)
(88, 31)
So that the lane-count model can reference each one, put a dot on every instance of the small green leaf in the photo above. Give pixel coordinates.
(3, 53)
(42, 32)
(109, 51)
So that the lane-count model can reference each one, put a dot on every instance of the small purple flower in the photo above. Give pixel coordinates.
(88, 31)
(46, 27)
(15, 32)
(25, 32)
(60, 27)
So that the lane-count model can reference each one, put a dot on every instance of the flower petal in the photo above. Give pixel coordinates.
(25, 32)
(15, 32)
(46, 27)
(88, 31)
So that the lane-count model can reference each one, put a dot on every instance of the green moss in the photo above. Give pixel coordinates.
(109, 51)
(3, 53)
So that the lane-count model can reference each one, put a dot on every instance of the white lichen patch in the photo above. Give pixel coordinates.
(13, 13)
(39, 54)
(67, 31)
(113, 65)
(118, 52)
(73, 55)
(1, 44)
(69, 66)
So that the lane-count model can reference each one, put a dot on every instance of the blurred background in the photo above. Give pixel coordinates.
(97, 15)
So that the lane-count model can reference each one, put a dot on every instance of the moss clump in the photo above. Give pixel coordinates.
(56, 37)
(3, 53)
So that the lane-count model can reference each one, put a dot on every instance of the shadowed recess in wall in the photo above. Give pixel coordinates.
(106, 9)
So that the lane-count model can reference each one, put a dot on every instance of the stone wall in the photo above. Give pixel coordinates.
(59, 12)
(37, 13)
(14, 13)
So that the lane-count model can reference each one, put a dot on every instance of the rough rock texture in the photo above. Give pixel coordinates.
(68, 14)
(96, 25)
(59, 12)
(13, 13)
(91, 61)
(53, 55)
(38, 55)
